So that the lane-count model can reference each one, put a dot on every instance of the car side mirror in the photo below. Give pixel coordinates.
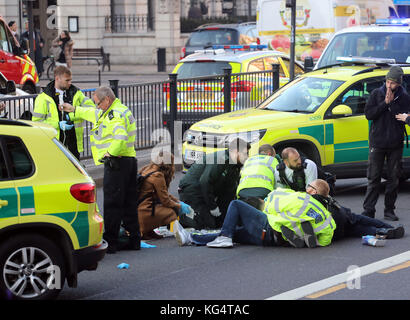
(308, 64)
(341, 110)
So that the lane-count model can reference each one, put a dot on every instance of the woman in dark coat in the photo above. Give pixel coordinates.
(158, 207)
(66, 44)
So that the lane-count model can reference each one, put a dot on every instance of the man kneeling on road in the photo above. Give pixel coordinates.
(268, 229)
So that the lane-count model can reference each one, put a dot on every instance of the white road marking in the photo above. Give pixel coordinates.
(304, 291)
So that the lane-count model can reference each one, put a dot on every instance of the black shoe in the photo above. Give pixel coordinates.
(132, 244)
(389, 215)
(292, 238)
(392, 233)
(112, 249)
(368, 214)
(309, 236)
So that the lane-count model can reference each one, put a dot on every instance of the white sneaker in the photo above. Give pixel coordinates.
(183, 237)
(220, 242)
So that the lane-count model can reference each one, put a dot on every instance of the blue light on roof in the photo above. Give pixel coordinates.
(243, 47)
(393, 22)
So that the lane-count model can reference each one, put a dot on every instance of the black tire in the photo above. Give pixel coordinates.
(30, 279)
(50, 71)
(29, 87)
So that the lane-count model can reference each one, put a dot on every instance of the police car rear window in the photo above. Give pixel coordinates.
(198, 69)
(210, 37)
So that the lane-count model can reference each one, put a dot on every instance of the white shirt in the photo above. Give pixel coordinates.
(60, 96)
(310, 174)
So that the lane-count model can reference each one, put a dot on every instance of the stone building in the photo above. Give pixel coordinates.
(130, 30)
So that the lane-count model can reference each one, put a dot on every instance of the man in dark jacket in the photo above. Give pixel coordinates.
(385, 141)
(210, 185)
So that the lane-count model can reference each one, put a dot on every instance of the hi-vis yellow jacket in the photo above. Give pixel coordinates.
(289, 208)
(114, 130)
(258, 172)
(45, 110)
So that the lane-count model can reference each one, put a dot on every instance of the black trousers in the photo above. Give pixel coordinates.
(377, 157)
(120, 199)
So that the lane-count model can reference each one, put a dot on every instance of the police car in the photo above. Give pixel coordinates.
(201, 90)
(50, 228)
(389, 38)
(320, 113)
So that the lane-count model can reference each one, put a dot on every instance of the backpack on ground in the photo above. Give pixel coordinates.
(140, 181)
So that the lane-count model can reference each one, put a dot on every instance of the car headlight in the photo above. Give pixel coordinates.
(249, 136)
(221, 140)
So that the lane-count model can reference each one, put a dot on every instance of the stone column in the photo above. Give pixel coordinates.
(167, 29)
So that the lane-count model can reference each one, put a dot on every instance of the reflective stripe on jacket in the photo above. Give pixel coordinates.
(45, 110)
(289, 208)
(114, 130)
(258, 172)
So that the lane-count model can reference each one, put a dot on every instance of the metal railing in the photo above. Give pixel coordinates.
(122, 23)
(159, 104)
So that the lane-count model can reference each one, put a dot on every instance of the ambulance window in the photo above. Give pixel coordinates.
(357, 95)
(406, 83)
(21, 163)
(256, 65)
(3, 168)
(4, 43)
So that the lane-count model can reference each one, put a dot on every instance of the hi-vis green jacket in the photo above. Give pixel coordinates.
(258, 172)
(114, 130)
(45, 110)
(289, 208)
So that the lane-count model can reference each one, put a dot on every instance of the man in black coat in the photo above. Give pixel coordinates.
(385, 141)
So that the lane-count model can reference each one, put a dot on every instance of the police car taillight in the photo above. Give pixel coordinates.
(165, 87)
(242, 86)
(183, 53)
(83, 192)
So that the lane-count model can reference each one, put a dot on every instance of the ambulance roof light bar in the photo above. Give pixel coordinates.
(364, 60)
(393, 22)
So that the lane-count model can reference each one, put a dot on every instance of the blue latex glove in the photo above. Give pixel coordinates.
(64, 126)
(146, 245)
(123, 266)
(185, 208)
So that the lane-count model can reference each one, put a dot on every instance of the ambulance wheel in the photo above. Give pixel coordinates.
(32, 268)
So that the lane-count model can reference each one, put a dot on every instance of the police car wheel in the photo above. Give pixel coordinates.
(31, 268)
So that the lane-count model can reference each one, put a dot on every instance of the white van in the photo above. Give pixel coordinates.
(316, 22)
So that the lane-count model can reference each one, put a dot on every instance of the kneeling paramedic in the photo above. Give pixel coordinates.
(258, 174)
(112, 143)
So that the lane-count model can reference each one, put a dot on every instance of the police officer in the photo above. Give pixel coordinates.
(59, 91)
(210, 185)
(300, 218)
(258, 174)
(112, 142)
(294, 172)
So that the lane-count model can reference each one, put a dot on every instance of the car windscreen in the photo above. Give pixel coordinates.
(367, 44)
(302, 95)
(209, 37)
(199, 69)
